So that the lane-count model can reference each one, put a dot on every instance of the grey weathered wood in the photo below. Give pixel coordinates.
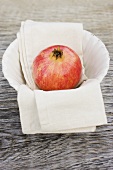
(83, 151)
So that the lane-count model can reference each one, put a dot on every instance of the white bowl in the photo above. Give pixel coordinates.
(95, 58)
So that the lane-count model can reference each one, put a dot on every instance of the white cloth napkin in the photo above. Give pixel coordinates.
(75, 110)
(64, 111)
(36, 36)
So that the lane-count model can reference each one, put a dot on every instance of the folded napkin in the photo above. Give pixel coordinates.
(63, 111)
(36, 36)
(74, 110)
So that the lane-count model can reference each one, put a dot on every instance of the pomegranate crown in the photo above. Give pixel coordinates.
(57, 53)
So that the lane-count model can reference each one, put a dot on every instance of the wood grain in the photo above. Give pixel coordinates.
(82, 151)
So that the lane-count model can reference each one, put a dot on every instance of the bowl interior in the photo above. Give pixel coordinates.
(95, 57)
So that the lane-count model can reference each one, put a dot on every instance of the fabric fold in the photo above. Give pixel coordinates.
(31, 122)
(75, 108)
(28, 111)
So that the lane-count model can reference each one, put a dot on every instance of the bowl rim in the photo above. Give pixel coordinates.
(13, 44)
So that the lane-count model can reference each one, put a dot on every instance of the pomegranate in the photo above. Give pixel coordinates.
(56, 68)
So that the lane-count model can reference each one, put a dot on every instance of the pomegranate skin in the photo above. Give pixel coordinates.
(57, 68)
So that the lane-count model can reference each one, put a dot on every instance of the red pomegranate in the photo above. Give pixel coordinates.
(56, 68)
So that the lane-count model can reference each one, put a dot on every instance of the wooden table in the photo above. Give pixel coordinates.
(82, 151)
